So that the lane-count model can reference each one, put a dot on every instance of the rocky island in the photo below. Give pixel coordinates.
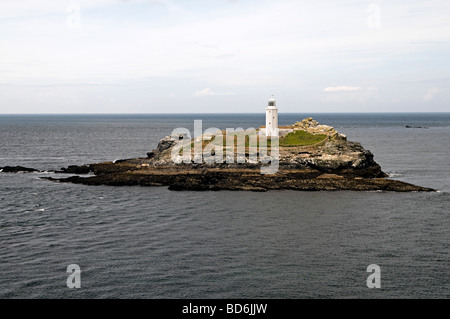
(311, 157)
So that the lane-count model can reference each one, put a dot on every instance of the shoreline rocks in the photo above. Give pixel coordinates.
(75, 169)
(243, 179)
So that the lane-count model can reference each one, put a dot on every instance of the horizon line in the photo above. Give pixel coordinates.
(222, 113)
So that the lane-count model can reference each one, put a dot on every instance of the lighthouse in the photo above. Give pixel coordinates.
(272, 118)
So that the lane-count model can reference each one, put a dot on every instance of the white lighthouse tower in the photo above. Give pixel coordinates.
(272, 118)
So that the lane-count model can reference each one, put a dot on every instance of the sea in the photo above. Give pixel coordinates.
(150, 242)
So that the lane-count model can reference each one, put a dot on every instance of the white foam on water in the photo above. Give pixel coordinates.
(394, 174)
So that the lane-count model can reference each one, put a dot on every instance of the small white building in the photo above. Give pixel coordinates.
(272, 118)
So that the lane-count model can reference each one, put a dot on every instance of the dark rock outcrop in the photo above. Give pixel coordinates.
(409, 126)
(163, 145)
(75, 169)
(17, 169)
(244, 179)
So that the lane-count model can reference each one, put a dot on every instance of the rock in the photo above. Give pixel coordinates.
(74, 169)
(408, 126)
(249, 180)
(329, 176)
(165, 143)
(17, 169)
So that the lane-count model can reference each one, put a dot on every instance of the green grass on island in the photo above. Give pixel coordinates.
(301, 138)
(294, 139)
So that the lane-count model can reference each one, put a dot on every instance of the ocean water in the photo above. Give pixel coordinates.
(141, 242)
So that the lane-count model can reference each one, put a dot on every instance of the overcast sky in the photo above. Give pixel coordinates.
(219, 56)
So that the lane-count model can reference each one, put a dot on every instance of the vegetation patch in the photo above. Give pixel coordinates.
(296, 138)
(301, 138)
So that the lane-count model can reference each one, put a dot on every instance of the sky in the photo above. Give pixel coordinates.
(224, 56)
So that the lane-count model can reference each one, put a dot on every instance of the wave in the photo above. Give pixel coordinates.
(394, 174)
(45, 172)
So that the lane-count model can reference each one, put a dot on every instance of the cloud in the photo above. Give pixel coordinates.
(342, 88)
(431, 93)
(209, 92)
(182, 46)
(349, 93)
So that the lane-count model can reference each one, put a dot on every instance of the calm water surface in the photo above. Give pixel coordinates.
(137, 242)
